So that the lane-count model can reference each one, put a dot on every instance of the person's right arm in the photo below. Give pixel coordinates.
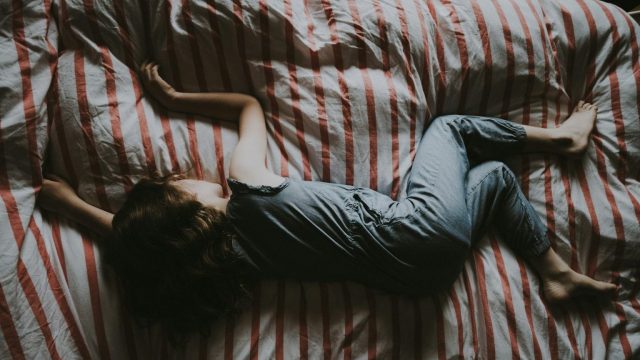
(248, 158)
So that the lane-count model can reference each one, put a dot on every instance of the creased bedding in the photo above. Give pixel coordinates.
(347, 87)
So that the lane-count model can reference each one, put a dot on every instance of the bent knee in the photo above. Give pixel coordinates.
(490, 171)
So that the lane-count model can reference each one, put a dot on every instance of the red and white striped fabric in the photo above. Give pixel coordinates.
(347, 87)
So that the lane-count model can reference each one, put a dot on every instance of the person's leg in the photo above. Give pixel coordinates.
(452, 142)
(438, 184)
(494, 197)
(569, 139)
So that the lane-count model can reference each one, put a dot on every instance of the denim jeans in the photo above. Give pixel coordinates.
(456, 190)
(320, 231)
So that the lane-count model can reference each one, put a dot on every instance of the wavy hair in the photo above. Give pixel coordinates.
(174, 259)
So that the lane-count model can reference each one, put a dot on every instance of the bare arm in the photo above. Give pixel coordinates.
(58, 197)
(248, 158)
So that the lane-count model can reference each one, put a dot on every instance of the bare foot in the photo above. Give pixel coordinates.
(572, 137)
(569, 284)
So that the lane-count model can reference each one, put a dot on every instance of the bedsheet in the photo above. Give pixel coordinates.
(347, 88)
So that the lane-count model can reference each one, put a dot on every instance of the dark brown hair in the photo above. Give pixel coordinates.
(174, 259)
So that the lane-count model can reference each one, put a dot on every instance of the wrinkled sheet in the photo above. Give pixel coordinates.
(347, 87)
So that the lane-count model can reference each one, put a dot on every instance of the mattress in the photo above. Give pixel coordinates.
(348, 88)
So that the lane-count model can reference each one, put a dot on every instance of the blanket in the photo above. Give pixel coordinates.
(348, 88)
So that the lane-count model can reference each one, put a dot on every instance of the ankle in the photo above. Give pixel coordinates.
(560, 137)
(550, 265)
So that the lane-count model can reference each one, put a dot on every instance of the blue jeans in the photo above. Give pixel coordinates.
(455, 191)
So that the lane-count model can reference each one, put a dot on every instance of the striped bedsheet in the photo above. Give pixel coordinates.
(347, 87)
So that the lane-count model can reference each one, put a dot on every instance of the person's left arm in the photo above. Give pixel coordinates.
(58, 197)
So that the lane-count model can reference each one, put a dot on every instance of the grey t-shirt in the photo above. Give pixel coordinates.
(315, 231)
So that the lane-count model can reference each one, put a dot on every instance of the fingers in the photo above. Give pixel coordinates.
(582, 105)
(154, 71)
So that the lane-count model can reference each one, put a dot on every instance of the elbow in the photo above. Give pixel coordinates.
(249, 100)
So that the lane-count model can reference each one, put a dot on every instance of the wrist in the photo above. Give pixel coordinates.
(173, 99)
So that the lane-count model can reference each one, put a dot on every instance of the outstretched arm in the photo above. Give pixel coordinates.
(58, 197)
(248, 158)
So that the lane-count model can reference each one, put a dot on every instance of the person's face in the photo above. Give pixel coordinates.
(207, 193)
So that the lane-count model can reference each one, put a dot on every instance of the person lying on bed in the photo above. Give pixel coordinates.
(185, 255)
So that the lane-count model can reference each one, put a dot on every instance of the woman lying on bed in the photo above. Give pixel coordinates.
(186, 255)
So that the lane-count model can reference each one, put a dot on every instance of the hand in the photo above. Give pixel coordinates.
(153, 83)
(57, 195)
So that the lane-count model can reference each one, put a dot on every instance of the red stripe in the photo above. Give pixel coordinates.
(326, 321)
(622, 162)
(442, 83)
(591, 54)
(508, 43)
(525, 159)
(57, 242)
(417, 333)
(602, 171)
(194, 154)
(369, 95)
(372, 325)
(86, 123)
(393, 102)
(293, 86)
(488, 57)
(114, 114)
(255, 323)
(304, 333)
(217, 43)
(271, 95)
(566, 184)
(229, 328)
(526, 295)
(464, 55)
(440, 338)
(60, 133)
(217, 138)
(112, 98)
(425, 76)
(547, 172)
(619, 227)
(395, 328)
(36, 307)
(567, 22)
(320, 100)
(280, 296)
(239, 31)
(30, 117)
(226, 82)
(56, 289)
(621, 168)
(508, 299)
(636, 72)
(8, 327)
(407, 62)
(200, 75)
(348, 321)
(460, 325)
(94, 293)
(125, 38)
(472, 312)
(486, 312)
(168, 139)
(345, 101)
(28, 104)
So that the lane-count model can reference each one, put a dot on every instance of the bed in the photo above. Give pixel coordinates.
(347, 88)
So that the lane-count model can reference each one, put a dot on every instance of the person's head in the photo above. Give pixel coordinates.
(173, 255)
